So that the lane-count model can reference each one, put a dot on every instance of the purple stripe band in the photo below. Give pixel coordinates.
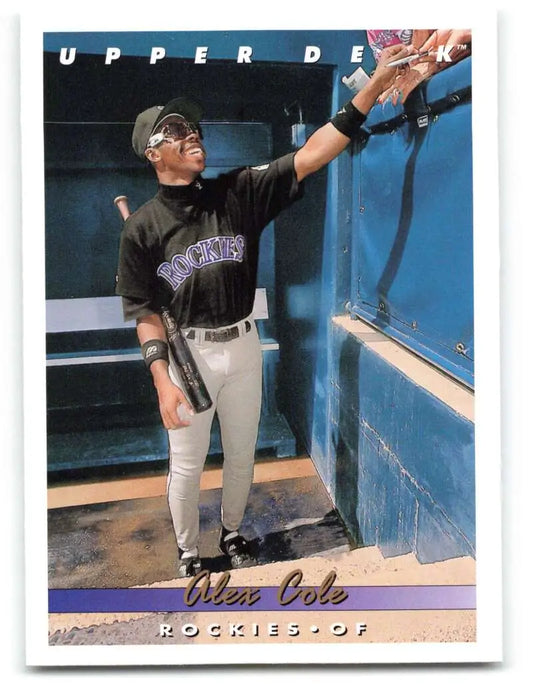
(370, 598)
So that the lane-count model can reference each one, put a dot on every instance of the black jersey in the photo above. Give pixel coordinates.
(195, 248)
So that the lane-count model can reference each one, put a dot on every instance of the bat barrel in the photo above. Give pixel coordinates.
(191, 379)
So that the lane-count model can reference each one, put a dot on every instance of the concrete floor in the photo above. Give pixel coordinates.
(118, 544)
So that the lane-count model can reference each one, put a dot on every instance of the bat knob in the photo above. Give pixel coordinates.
(121, 202)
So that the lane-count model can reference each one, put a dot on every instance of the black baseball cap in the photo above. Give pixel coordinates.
(148, 120)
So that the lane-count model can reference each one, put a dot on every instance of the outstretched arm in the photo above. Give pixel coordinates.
(328, 142)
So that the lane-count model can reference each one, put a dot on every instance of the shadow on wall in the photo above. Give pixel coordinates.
(415, 104)
(345, 439)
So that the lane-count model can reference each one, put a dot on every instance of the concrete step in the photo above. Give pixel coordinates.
(359, 567)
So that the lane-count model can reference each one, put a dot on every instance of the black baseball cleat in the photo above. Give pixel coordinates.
(189, 566)
(237, 548)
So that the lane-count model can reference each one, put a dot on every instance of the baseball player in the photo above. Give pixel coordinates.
(194, 249)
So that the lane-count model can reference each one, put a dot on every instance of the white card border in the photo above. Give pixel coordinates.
(486, 245)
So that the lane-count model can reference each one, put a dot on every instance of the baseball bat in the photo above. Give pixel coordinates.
(191, 378)
(121, 202)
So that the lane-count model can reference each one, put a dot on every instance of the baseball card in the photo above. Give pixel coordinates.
(262, 382)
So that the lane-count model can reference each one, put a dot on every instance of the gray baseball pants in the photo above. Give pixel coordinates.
(232, 372)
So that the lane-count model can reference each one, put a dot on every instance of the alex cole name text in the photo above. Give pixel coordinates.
(199, 590)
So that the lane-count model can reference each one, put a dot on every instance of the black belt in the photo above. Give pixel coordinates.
(224, 335)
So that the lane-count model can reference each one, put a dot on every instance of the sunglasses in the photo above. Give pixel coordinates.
(174, 131)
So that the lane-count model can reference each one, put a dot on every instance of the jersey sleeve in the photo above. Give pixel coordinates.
(135, 279)
(136, 308)
(266, 190)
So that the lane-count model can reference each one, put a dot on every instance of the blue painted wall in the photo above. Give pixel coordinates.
(398, 463)
(412, 261)
(401, 463)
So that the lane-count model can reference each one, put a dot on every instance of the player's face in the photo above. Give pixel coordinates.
(180, 147)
